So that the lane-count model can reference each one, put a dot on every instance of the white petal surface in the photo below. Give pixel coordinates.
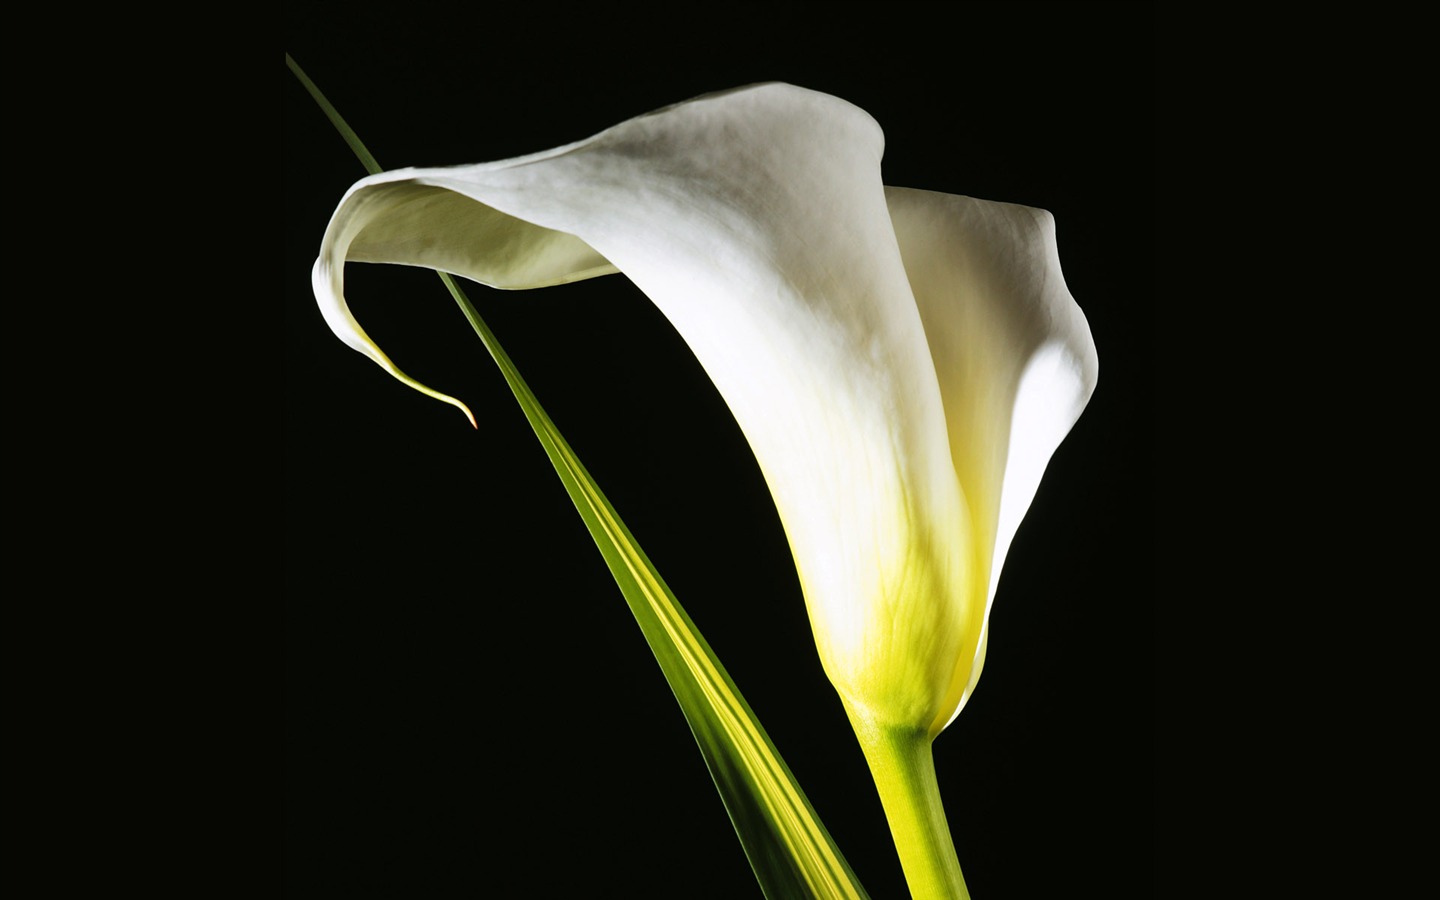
(757, 222)
(1012, 350)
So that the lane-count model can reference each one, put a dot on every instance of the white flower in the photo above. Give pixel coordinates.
(903, 363)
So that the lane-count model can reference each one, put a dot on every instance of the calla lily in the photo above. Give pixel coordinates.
(903, 364)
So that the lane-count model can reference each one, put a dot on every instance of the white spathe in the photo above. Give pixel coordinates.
(903, 363)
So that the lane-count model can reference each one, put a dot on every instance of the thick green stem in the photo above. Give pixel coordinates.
(904, 772)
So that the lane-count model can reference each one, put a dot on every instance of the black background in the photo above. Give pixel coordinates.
(471, 709)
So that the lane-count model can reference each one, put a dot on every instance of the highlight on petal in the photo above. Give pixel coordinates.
(902, 363)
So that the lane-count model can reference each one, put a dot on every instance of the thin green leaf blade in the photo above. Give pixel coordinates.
(789, 849)
(352, 140)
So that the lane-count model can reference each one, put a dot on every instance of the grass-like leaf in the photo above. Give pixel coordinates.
(789, 849)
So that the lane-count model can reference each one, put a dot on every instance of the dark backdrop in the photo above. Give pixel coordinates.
(471, 709)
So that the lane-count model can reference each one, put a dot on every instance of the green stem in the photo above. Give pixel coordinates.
(904, 772)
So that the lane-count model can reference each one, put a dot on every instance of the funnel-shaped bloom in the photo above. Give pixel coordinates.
(903, 363)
